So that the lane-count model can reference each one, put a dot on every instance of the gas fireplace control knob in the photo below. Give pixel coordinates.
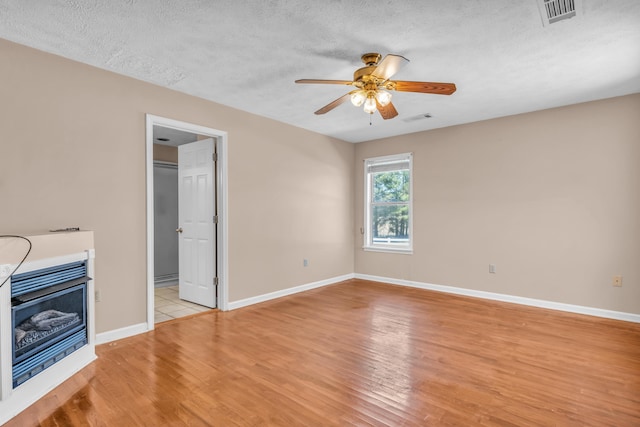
(179, 230)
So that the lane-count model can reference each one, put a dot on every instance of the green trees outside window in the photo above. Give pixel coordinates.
(388, 210)
(390, 207)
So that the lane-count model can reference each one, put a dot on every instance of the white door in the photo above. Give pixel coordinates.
(196, 228)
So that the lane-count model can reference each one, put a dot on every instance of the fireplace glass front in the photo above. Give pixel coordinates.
(49, 317)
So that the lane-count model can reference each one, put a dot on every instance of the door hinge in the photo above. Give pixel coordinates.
(215, 219)
(215, 157)
(215, 281)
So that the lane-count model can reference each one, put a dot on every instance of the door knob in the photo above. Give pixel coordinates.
(179, 230)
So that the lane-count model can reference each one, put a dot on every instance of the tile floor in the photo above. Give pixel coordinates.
(168, 306)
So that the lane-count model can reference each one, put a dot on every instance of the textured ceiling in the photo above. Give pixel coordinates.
(247, 54)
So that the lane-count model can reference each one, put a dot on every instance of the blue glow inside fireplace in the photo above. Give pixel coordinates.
(49, 317)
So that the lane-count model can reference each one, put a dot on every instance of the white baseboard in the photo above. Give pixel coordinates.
(129, 331)
(591, 311)
(140, 328)
(289, 291)
(118, 334)
(166, 280)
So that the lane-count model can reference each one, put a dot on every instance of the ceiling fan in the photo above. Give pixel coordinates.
(373, 85)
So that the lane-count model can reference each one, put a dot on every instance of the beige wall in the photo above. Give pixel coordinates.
(165, 153)
(552, 198)
(73, 154)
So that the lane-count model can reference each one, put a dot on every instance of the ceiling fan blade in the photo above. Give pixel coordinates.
(425, 87)
(330, 106)
(387, 112)
(325, 82)
(389, 65)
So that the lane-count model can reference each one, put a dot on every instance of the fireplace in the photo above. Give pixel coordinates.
(54, 285)
(49, 317)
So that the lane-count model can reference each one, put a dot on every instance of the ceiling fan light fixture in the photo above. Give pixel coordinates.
(372, 84)
(358, 98)
(370, 104)
(383, 97)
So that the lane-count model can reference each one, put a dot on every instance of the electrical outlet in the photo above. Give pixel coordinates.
(617, 281)
(492, 268)
(305, 263)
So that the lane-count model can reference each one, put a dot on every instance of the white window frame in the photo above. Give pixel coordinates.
(369, 245)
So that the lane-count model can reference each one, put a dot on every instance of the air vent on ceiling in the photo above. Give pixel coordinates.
(552, 11)
(418, 117)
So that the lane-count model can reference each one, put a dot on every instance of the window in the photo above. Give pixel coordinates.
(388, 195)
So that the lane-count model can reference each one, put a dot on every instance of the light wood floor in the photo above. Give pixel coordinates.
(360, 353)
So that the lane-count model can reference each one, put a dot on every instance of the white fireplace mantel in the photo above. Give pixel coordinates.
(48, 249)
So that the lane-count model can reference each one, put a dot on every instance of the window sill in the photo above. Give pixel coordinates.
(388, 250)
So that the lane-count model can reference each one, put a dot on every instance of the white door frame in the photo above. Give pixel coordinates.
(222, 197)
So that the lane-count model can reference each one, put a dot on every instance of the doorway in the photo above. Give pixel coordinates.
(169, 135)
